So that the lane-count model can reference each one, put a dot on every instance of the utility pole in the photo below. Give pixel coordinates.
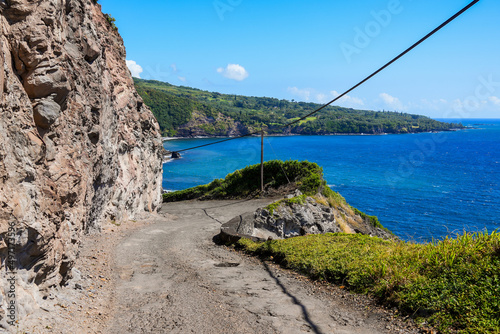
(262, 160)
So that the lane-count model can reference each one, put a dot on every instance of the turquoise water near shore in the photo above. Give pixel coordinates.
(421, 186)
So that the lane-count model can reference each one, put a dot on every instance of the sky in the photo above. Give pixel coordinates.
(315, 50)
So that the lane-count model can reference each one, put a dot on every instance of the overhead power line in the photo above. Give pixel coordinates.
(463, 10)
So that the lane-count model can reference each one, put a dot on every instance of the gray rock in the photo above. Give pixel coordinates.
(297, 219)
(46, 113)
(76, 274)
(292, 219)
(296, 193)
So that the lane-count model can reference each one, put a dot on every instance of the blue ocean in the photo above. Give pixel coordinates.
(421, 186)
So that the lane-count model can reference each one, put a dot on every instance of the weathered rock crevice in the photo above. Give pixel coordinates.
(78, 147)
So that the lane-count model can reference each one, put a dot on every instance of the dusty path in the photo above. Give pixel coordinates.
(171, 278)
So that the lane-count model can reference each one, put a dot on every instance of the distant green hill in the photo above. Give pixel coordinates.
(187, 112)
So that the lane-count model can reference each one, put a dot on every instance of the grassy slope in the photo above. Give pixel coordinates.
(243, 183)
(174, 106)
(454, 284)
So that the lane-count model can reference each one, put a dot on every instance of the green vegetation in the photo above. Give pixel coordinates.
(334, 198)
(174, 106)
(307, 177)
(453, 284)
(301, 199)
(373, 220)
(111, 20)
(307, 119)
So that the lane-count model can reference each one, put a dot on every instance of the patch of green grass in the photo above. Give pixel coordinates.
(373, 220)
(191, 193)
(308, 119)
(288, 201)
(454, 284)
(334, 198)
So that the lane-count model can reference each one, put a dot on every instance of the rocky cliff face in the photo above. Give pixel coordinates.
(77, 145)
(202, 126)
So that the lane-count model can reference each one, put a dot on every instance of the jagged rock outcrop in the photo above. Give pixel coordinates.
(294, 219)
(77, 145)
(299, 215)
(290, 219)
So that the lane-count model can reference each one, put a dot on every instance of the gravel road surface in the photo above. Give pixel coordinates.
(170, 277)
(165, 274)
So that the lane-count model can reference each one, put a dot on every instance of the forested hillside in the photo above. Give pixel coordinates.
(186, 112)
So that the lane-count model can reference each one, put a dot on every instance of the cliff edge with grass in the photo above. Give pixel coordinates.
(304, 203)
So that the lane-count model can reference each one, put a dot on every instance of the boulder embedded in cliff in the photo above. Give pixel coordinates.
(46, 112)
(295, 217)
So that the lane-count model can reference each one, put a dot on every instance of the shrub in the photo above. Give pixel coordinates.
(111, 20)
(289, 201)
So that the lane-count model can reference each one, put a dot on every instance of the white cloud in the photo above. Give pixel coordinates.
(134, 68)
(348, 101)
(311, 95)
(468, 107)
(430, 105)
(435, 107)
(392, 102)
(234, 72)
(495, 100)
(183, 79)
(322, 98)
(303, 94)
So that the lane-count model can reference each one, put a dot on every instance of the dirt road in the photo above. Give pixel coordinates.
(170, 277)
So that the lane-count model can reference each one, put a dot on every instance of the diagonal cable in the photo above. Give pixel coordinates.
(463, 10)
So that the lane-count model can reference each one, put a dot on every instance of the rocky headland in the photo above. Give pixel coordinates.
(302, 204)
(189, 112)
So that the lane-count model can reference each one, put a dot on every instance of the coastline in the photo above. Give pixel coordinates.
(165, 139)
(388, 170)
